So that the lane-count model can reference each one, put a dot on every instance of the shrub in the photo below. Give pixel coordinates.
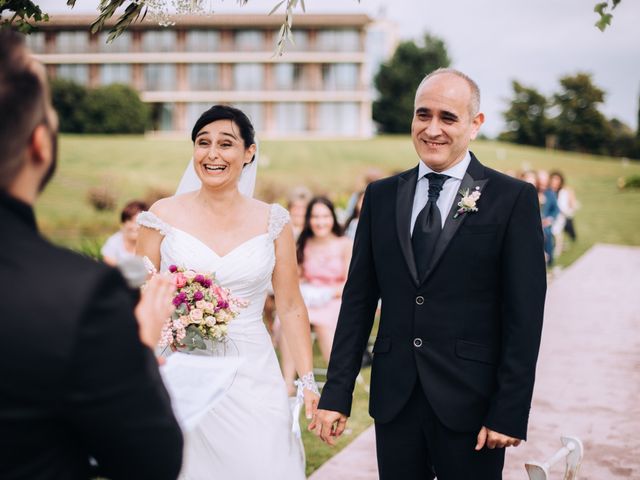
(102, 198)
(630, 182)
(69, 100)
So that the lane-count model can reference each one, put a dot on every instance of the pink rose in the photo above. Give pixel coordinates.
(220, 293)
(180, 280)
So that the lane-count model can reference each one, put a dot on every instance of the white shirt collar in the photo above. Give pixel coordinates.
(457, 171)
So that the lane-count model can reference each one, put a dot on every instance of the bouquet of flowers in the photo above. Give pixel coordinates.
(203, 311)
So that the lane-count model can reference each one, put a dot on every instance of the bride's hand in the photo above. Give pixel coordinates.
(311, 400)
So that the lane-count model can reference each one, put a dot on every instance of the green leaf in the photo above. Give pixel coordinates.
(274, 9)
(604, 22)
(600, 7)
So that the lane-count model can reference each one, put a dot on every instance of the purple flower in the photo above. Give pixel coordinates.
(206, 283)
(177, 301)
(198, 295)
(199, 279)
(173, 268)
(223, 304)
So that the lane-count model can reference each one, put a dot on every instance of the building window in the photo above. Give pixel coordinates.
(291, 117)
(76, 73)
(254, 111)
(203, 41)
(340, 76)
(72, 42)
(115, 73)
(194, 110)
(341, 119)
(121, 44)
(288, 76)
(300, 41)
(248, 76)
(35, 42)
(203, 76)
(159, 77)
(343, 40)
(159, 41)
(162, 116)
(249, 40)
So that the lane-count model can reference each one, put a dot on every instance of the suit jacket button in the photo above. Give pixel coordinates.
(419, 299)
(417, 342)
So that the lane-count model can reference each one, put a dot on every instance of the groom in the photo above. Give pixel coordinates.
(454, 250)
(76, 380)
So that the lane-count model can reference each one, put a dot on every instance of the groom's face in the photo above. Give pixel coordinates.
(443, 124)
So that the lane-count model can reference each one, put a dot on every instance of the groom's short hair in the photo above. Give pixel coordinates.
(474, 106)
(24, 98)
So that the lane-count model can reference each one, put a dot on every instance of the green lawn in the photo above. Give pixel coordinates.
(137, 167)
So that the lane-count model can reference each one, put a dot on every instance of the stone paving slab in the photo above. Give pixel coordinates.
(588, 376)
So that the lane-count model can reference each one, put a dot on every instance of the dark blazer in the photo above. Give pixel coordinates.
(469, 330)
(76, 380)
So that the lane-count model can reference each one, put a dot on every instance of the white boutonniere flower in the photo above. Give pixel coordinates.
(468, 201)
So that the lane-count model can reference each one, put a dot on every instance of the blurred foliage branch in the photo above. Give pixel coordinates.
(23, 15)
(605, 10)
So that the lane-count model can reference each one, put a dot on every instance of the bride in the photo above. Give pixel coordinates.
(248, 244)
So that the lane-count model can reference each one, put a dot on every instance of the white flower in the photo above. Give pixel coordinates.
(468, 202)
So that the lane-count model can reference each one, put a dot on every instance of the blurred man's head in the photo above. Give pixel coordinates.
(28, 123)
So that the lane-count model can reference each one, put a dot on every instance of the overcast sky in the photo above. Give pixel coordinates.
(535, 42)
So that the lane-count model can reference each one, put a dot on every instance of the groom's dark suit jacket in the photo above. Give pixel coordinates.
(469, 331)
(75, 381)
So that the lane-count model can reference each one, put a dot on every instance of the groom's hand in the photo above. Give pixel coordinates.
(328, 425)
(494, 439)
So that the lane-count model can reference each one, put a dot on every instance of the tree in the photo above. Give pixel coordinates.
(397, 80)
(622, 141)
(69, 100)
(115, 109)
(110, 109)
(526, 118)
(579, 124)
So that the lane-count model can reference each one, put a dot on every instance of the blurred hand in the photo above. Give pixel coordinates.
(494, 439)
(328, 425)
(154, 307)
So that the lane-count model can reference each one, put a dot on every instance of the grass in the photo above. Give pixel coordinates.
(138, 167)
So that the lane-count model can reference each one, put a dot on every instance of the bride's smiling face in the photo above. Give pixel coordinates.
(219, 153)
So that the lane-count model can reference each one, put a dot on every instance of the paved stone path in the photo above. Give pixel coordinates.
(588, 376)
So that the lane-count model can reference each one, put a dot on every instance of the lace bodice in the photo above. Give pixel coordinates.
(246, 270)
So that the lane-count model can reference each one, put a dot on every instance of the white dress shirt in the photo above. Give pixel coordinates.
(449, 190)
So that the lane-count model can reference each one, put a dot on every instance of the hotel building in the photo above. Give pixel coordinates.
(320, 87)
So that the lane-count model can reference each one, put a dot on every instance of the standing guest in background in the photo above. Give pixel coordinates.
(79, 380)
(297, 205)
(351, 224)
(323, 259)
(122, 245)
(567, 204)
(549, 212)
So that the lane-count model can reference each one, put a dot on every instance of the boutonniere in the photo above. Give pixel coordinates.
(468, 201)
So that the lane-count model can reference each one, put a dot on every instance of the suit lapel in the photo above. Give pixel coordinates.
(404, 203)
(472, 179)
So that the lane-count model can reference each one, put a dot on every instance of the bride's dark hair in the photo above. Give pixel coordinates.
(226, 112)
(307, 232)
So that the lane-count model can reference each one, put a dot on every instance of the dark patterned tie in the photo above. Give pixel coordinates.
(428, 224)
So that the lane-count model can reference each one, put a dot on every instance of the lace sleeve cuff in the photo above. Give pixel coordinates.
(149, 220)
(278, 218)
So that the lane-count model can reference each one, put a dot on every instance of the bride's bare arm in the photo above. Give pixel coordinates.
(291, 308)
(148, 245)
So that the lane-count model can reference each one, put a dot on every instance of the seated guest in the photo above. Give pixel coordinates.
(122, 245)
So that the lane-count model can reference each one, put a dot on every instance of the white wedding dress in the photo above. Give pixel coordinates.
(248, 434)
